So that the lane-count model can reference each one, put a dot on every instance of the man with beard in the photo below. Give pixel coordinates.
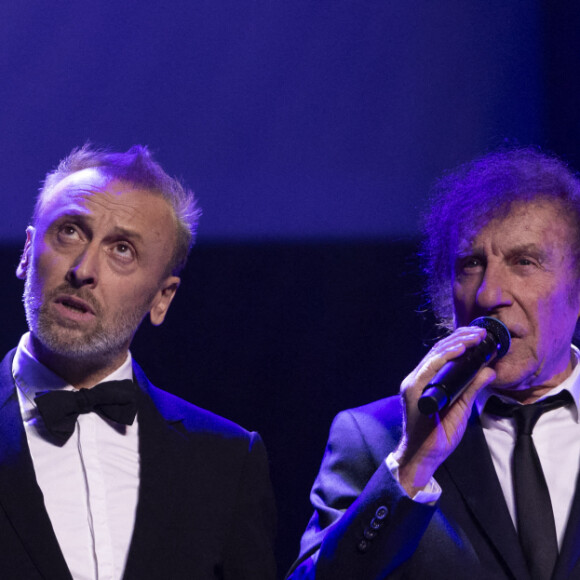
(102, 475)
(488, 486)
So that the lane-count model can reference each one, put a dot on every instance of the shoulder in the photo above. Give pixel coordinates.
(374, 429)
(192, 416)
(6, 380)
(6, 366)
(386, 411)
(384, 414)
(193, 419)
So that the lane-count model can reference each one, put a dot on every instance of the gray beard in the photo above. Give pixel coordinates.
(100, 344)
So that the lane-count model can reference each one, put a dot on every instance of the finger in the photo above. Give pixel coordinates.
(467, 335)
(445, 350)
(483, 378)
(465, 402)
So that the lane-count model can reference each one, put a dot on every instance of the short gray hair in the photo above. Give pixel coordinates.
(138, 168)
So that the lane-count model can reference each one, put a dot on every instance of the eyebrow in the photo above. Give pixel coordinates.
(530, 248)
(126, 233)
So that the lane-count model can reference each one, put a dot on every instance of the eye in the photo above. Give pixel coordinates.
(472, 263)
(68, 232)
(123, 250)
(469, 264)
(525, 261)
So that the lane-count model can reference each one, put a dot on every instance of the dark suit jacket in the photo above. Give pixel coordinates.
(469, 533)
(205, 507)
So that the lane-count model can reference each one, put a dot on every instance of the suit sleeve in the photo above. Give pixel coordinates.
(250, 554)
(364, 526)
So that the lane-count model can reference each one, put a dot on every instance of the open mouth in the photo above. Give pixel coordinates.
(75, 304)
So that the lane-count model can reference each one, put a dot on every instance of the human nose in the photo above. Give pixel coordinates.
(84, 270)
(493, 292)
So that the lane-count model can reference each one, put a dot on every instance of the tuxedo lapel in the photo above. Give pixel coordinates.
(161, 446)
(20, 496)
(156, 453)
(568, 564)
(471, 469)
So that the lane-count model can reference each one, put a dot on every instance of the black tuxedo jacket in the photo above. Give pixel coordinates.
(205, 507)
(364, 527)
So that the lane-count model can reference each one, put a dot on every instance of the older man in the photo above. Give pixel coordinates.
(467, 492)
(102, 475)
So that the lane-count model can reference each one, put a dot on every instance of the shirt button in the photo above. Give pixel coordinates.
(363, 546)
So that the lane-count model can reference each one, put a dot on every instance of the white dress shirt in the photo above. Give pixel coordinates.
(556, 437)
(91, 483)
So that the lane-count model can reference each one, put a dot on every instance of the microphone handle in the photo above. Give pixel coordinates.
(455, 375)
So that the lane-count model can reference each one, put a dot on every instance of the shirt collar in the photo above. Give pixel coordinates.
(31, 376)
(571, 384)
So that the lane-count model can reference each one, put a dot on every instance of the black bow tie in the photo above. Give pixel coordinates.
(114, 400)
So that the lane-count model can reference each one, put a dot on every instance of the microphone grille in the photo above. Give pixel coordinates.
(499, 331)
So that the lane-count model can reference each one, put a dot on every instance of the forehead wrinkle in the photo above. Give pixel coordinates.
(79, 205)
(112, 204)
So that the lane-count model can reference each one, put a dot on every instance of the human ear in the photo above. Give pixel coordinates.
(25, 258)
(162, 300)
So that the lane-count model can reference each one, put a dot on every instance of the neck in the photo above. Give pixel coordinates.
(527, 396)
(527, 393)
(81, 373)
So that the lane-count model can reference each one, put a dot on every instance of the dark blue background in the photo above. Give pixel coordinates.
(293, 119)
(311, 132)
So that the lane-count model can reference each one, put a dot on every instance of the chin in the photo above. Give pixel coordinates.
(510, 376)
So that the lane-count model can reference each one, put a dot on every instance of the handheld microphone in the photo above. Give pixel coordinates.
(455, 375)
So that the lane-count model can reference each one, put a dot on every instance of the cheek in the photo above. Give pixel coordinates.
(557, 318)
(45, 257)
(47, 268)
(118, 294)
(462, 304)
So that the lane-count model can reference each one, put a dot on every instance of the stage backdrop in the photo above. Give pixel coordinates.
(300, 119)
(311, 132)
